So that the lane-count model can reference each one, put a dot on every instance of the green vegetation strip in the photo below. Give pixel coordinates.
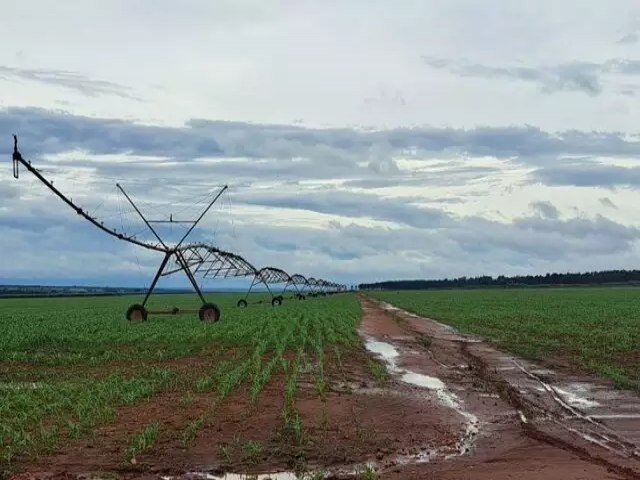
(596, 328)
(68, 364)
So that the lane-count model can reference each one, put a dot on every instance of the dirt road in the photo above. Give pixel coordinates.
(515, 419)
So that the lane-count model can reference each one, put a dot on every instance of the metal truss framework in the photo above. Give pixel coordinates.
(269, 276)
(193, 260)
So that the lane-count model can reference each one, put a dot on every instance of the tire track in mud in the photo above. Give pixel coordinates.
(531, 412)
(540, 410)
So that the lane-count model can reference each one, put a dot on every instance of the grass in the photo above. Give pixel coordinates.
(596, 328)
(143, 441)
(78, 404)
(252, 451)
(292, 426)
(191, 431)
(68, 364)
(367, 473)
(226, 452)
(379, 372)
(249, 452)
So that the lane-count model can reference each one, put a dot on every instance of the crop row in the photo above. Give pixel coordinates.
(66, 363)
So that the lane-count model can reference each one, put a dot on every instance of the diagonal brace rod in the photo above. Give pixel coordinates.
(155, 279)
(187, 271)
(141, 216)
(201, 215)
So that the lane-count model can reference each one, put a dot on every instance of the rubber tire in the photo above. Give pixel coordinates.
(276, 301)
(242, 303)
(136, 313)
(209, 313)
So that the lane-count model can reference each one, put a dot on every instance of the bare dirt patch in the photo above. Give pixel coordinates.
(355, 421)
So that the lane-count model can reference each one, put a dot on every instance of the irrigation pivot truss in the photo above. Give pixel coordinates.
(269, 276)
(138, 312)
(301, 282)
(210, 262)
(196, 259)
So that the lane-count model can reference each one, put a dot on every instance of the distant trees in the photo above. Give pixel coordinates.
(585, 278)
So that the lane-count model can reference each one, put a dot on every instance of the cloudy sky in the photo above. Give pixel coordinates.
(361, 140)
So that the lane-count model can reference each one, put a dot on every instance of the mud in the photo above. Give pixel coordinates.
(453, 407)
(569, 425)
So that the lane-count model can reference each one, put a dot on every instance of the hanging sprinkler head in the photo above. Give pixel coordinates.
(16, 157)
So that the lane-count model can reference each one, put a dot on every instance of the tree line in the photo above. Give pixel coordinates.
(584, 278)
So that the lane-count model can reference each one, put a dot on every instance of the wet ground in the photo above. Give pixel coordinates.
(450, 407)
(517, 419)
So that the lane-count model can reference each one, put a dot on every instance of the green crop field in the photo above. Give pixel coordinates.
(68, 364)
(595, 328)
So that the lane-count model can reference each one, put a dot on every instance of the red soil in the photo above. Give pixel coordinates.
(391, 425)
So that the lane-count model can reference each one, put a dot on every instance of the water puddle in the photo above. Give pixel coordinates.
(602, 442)
(568, 400)
(424, 381)
(543, 371)
(388, 306)
(489, 395)
(615, 416)
(349, 471)
(575, 400)
(424, 456)
(383, 349)
(523, 419)
(237, 476)
(389, 354)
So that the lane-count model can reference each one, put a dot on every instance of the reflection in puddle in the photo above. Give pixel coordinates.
(236, 476)
(614, 416)
(388, 306)
(383, 349)
(575, 400)
(389, 354)
(523, 419)
(423, 381)
(543, 371)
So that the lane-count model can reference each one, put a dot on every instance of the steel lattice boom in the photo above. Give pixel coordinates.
(193, 260)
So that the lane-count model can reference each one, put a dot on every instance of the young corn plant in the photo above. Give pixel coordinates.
(292, 422)
(368, 472)
(252, 451)
(190, 432)
(143, 441)
(320, 382)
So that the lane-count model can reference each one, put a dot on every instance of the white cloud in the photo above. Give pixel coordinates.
(346, 155)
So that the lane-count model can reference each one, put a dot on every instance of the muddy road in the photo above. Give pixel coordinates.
(515, 419)
(422, 401)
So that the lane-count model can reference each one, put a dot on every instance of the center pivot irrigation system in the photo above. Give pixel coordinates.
(193, 259)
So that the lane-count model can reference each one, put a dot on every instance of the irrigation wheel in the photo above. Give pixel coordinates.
(276, 300)
(137, 313)
(242, 303)
(209, 312)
